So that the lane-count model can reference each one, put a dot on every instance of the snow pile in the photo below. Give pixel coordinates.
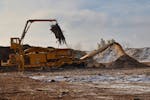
(140, 54)
(110, 55)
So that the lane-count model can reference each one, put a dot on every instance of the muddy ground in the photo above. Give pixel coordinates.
(76, 84)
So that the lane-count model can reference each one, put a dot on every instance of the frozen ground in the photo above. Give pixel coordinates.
(77, 84)
(95, 78)
(124, 82)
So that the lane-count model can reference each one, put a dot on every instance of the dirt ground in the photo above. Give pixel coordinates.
(76, 84)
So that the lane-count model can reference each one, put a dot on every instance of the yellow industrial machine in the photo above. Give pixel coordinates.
(49, 57)
(38, 56)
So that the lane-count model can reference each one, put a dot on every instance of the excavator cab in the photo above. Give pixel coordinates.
(15, 43)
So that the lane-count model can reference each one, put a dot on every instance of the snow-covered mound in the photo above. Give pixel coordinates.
(109, 55)
(140, 54)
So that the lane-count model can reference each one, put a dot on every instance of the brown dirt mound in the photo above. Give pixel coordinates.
(126, 61)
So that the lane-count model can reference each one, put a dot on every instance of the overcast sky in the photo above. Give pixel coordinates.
(84, 22)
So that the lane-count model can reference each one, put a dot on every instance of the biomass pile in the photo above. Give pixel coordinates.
(109, 55)
(126, 61)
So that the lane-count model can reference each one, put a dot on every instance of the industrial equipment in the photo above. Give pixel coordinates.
(40, 57)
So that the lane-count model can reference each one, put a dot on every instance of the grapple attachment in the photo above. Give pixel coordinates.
(58, 33)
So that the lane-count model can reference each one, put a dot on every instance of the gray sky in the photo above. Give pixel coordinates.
(84, 22)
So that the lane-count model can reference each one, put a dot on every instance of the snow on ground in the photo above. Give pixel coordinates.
(96, 78)
(128, 84)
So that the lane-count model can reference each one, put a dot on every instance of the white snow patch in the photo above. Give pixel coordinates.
(96, 78)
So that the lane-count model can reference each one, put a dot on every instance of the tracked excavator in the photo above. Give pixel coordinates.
(39, 57)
